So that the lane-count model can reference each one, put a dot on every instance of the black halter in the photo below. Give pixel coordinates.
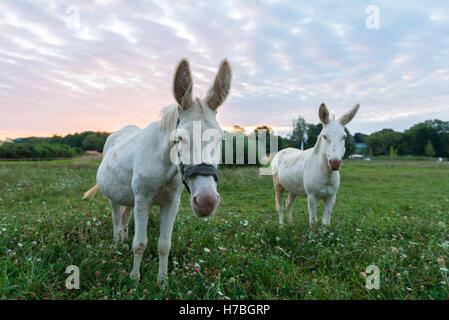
(203, 169)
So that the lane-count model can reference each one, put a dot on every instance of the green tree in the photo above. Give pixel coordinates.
(429, 149)
(393, 152)
(94, 141)
(313, 131)
(381, 141)
(360, 137)
(349, 143)
(417, 137)
(298, 135)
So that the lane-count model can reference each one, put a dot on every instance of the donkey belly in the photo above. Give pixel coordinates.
(115, 183)
(293, 184)
(115, 173)
(291, 172)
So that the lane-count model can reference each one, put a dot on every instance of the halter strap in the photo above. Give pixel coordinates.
(203, 169)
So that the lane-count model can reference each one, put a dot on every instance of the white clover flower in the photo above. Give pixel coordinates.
(207, 250)
(444, 245)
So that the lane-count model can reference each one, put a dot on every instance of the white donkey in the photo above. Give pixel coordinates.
(142, 168)
(312, 173)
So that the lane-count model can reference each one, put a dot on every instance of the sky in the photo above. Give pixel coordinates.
(72, 66)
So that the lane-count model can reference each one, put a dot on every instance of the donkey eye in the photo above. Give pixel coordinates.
(325, 137)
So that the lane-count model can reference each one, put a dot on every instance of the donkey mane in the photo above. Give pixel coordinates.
(170, 114)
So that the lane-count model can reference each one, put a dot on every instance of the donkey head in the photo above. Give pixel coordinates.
(332, 137)
(198, 136)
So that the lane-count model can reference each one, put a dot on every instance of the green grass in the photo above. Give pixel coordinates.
(393, 215)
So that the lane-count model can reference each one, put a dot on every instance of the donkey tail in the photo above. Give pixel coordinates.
(91, 192)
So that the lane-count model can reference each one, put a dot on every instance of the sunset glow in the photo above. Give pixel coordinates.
(112, 64)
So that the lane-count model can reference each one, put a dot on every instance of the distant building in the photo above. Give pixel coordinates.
(356, 156)
(94, 152)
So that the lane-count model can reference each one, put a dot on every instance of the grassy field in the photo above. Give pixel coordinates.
(394, 215)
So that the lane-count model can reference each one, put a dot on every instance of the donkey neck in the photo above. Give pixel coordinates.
(319, 158)
(165, 146)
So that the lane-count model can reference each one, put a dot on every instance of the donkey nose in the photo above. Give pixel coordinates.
(335, 164)
(206, 199)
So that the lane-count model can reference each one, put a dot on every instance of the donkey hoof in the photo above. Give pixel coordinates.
(134, 275)
(326, 228)
(162, 282)
(312, 225)
(123, 236)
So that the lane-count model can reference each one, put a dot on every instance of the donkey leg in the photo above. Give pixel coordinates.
(115, 219)
(141, 212)
(279, 191)
(126, 212)
(329, 203)
(291, 198)
(312, 203)
(168, 216)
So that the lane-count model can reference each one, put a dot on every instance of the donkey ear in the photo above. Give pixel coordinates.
(220, 90)
(323, 114)
(182, 84)
(348, 116)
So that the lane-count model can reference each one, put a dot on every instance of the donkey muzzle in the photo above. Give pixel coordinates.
(205, 202)
(335, 164)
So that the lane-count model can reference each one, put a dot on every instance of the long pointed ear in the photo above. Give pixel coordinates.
(348, 116)
(323, 113)
(183, 84)
(222, 84)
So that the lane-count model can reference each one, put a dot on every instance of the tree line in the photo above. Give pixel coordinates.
(429, 138)
(55, 146)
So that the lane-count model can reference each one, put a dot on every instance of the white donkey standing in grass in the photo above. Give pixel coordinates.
(142, 168)
(312, 173)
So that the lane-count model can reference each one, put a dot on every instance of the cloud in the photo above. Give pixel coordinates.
(115, 67)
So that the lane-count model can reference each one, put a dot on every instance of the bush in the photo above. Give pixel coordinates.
(36, 150)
